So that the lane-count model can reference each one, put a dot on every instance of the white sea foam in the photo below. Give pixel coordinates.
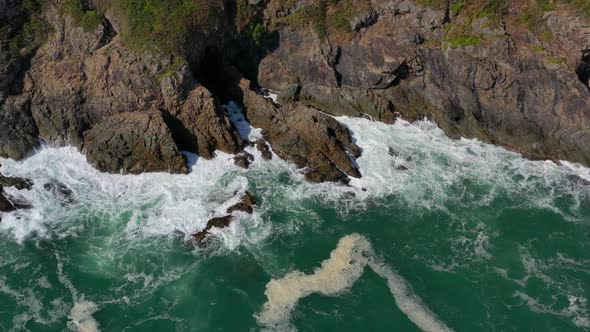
(336, 275)
(437, 173)
(81, 318)
(161, 204)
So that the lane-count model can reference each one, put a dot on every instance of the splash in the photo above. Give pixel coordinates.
(335, 275)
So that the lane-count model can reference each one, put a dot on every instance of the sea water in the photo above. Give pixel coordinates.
(438, 235)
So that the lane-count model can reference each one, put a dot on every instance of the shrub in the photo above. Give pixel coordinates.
(546, 5)
(463, 41)
(556, 60)
(30, 37)
(89, 20)
(164, 24)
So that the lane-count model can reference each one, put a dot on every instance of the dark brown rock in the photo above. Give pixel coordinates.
(5, 204)
(243, 160)
(133, 143)
(220, 222)
(18, 183)
(245, 205)
(264, 149)
(204, 127)
(305, 136)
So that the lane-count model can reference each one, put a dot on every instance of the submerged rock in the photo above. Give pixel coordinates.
(134, 143)
(245, 205)
(391, 151)
(243, 159)
(577, 180)
(220, 222)
(14, 203)
(60, 191)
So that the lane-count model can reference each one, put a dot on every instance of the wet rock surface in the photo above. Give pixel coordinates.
(246, 204)
(5, 204)
(13, 203)
(60, 191)
(264, 149)
(393, 59)
(309, 138)
(18, 183)
(243, 160)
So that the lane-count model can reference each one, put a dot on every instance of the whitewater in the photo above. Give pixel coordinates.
(437, 235)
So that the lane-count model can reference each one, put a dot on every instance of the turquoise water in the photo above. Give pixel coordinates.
(477, 238)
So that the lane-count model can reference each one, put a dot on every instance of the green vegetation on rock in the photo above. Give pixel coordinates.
(89, 19)
(463, 41)
(25, 39)
(326, 16)
(163, 24)
(30, 37)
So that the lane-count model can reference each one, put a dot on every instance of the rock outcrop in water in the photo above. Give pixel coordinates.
(305, 136)
(509, 73)
(9, 205)
(5, 204)
(246, 204)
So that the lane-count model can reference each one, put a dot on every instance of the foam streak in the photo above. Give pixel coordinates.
(337, 274)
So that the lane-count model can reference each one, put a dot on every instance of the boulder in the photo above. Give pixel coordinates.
(5, 204)
(220, 222)
(301, 134)
(133, 143)
(264, 149)
(243, 160)
(202, 127)
(245, 205)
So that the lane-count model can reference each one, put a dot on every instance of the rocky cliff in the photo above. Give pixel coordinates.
(513, 73)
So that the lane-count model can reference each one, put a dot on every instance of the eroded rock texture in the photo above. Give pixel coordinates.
(133, 143)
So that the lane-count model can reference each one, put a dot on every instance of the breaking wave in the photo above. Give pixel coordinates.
(413, 166)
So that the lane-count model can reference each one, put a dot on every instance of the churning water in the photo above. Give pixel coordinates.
(438, 235)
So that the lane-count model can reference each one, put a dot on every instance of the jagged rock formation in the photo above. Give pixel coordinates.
(246, 204)
(78, 79)
(133, 143)
(305, 136)
(504, 83)
(9, 205)
(509, 74)
(5, 204)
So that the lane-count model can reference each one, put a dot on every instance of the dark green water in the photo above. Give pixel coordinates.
(488, 241)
